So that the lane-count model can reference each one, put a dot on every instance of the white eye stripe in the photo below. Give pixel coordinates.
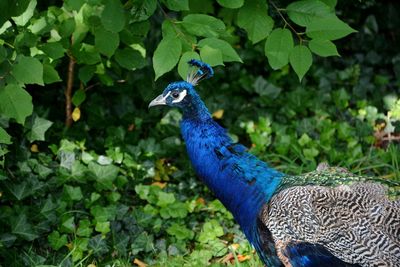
(180, 98)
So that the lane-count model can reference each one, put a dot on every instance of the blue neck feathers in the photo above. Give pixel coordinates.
(238, 179)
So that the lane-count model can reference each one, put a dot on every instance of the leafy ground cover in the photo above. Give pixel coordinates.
(115, 187)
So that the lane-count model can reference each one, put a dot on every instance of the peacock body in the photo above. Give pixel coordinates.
(328, 217)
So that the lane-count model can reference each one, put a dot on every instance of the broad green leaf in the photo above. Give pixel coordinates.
(331, 3)
(330, 28)
(80, 28)
(166, 55)
(56, 241)
(278, 47)
(86, 73)
(87, 54)
(129, 58)
(177, 5)
(203, 25)
(231, 3)
(11, 8)
(211, 55)
(37, 128)
(21, 227)
(22, 19)
(142, 10)
(253, 17)
(50, 75)
(303, 12)
(5, 138)
(15, 103)
(78, 97)
(183, 65)
(28, 70)
(113, 16)
(300, 59)
(323, 48)
(106, 41)
(228, 53)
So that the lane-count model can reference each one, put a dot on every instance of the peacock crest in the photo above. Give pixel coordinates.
(198, 71)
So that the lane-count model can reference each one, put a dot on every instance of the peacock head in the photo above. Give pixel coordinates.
(182, 94)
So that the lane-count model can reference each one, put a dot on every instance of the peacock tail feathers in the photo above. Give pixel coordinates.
(326, 175)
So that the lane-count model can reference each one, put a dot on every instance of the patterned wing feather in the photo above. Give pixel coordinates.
(357, 223)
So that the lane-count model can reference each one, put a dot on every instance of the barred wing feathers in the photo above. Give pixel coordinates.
(357, 223)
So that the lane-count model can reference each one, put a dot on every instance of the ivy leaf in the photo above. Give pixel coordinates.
(56, 241)
(211, 56)
(183, 65)
(113, 16)
(74, 192)
(104, 175)
(231, 3)
(28, 70)
(166, 55)
(277, 48)
(323, 48)
(328, 29)
(303, 12)
(177, 5)
(21, 227)
(180, 232)
(5, 138)
(203, 25)
(300, 59)
(253, 17)
(106, 41)
(37, 128)
(15, 102)
(228, 53)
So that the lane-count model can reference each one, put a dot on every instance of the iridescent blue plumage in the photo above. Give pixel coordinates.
(288, 222)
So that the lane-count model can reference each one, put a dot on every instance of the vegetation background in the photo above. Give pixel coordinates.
(90, 177)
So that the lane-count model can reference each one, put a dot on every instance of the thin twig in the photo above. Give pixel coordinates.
(278, 10)
(68, 90)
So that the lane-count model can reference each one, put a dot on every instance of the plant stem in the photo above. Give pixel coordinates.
(68, 90)
(278, 10)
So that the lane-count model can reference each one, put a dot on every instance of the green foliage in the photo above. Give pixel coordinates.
(116, 186)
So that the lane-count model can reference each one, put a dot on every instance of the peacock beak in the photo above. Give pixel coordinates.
(158, 101)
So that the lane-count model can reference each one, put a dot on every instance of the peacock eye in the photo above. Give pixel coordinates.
(175, 94)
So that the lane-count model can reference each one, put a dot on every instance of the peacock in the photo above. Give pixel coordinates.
(328, 217)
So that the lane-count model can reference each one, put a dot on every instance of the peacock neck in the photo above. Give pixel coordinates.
(239, 180)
